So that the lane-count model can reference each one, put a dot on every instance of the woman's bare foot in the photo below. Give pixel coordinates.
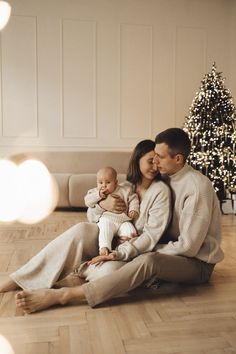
(8, 285)
(70, 280)
(36, 300)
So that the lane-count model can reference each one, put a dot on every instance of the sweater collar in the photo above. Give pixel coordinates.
(178, 175)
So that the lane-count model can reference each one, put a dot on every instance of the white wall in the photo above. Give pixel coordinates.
(104, 74)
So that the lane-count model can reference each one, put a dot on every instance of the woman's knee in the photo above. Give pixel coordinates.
(85, 230)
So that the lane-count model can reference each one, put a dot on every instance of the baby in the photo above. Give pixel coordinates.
(111, 224)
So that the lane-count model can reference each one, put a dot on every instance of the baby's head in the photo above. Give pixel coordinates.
(107, 179)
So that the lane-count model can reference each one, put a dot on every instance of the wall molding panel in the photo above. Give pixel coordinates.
(190, 67)
(136, 55)
(19, 75)
(78, 79)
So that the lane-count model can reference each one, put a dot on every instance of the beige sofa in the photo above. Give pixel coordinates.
(75, 171)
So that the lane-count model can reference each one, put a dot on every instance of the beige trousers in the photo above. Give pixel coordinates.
(59, 257)
(134, 273)
(70, 251)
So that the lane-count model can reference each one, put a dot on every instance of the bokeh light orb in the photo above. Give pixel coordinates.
(5, 10)
(5, 346)
(39, 191)
(28, 192)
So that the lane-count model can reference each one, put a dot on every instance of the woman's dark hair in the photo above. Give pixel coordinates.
(134, 174)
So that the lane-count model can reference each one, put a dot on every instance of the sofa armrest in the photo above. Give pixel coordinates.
(62, 180)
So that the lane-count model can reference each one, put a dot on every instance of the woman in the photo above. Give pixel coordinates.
(75, 247)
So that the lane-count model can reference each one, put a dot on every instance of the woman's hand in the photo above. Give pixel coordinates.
(99, 259)
(113, 203)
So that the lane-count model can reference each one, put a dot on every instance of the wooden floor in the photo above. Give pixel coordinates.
(172, 319)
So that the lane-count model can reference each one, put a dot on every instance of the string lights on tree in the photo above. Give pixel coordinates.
(211, 126)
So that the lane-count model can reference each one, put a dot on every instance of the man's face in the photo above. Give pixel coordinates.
(165, 163)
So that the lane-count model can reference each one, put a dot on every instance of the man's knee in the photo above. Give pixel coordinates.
(147, 260)
(107, 268)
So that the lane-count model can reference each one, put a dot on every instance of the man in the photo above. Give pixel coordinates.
(190, 247)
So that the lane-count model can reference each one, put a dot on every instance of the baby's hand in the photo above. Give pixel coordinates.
(132, 214)
(104, 251)
(102, 194)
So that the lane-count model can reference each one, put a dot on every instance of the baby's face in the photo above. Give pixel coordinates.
(106, 182)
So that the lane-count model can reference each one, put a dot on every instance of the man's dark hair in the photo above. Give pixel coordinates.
(177, 141)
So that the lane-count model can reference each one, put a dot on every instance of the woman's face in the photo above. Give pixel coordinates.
(147, 168)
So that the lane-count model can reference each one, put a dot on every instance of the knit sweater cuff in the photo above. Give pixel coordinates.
(125, 252)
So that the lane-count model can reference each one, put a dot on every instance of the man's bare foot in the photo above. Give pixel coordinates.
(8, 285)
(36, 300)
(70, 280)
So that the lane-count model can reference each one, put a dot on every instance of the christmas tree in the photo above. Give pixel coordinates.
(211, 128)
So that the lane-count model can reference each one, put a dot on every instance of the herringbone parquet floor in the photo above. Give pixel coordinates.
(172, 319)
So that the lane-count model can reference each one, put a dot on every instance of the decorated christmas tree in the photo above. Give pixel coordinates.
(211, 127)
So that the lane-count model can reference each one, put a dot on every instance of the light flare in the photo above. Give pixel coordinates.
(5, 12)
(28, 192)
(5, 346)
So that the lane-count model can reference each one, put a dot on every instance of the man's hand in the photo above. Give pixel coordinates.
(113, 203)
(99, 259)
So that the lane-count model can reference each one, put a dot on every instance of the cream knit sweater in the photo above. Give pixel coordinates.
(195, 230)
(124, 190)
